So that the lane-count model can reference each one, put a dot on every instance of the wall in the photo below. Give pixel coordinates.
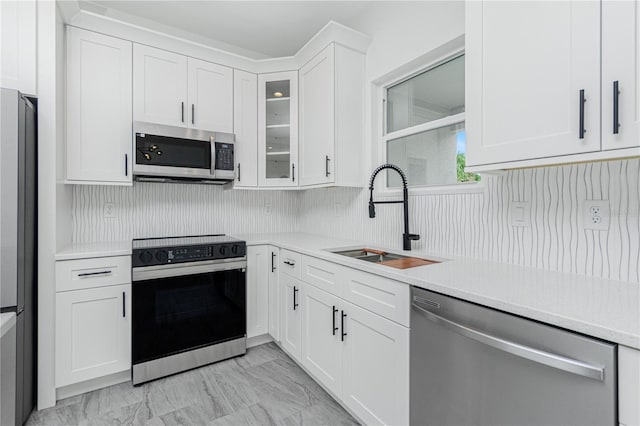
(477, 225)
(157, 209)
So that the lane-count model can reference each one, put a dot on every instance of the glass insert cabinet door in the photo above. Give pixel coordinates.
(278, 129)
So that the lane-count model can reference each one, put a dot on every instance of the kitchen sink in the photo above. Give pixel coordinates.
(387, 259)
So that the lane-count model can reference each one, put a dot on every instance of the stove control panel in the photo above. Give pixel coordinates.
(193, 253)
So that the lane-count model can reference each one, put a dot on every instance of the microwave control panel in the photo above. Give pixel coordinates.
(224, 156)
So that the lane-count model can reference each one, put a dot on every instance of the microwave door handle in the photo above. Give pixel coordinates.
(212, 142)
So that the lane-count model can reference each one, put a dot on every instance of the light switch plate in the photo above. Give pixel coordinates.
(109, 210)
(519, 214)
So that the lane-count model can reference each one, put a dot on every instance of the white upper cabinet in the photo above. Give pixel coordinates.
(332, 118)
(278, 129)
(159, 86)
(317, 123)
(99, 110)
(245, 127)
(532, 79)
(620, 74)
(210, 96)
(18, 45)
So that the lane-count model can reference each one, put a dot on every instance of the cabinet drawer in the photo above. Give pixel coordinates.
(383, 296)
(325, 275)
(290, 263)
(95, 272)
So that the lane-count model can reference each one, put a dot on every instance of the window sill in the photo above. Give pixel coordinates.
(459, 188)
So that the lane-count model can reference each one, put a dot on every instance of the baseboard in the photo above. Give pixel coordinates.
(93, 384)
(259, 340)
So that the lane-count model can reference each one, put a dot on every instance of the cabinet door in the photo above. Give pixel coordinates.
(278, 129)
(526, 65)
(245, 126)
(274, 294)
(93, 333)
(317, 124)
(210, 96)
(290, 315)
(376, 368)
(321, 350)
(159, 86)
(621, 71)
(257, 290)
(18, 45)
(99, 131)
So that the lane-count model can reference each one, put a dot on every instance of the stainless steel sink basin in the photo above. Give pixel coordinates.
(370, 256)
(379, 256)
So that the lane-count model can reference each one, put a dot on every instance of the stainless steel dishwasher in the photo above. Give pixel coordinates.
(471, 365)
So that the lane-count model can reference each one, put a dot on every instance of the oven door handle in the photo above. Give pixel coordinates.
(181, 269)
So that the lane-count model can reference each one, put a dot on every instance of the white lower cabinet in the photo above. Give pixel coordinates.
(358, 355)
(321, 337)
(628, 386)
(375, 368)
(274, 294)
(290, 319)
(93, 333)
(258, 258)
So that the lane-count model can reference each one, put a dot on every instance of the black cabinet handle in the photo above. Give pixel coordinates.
(295, 301)
(335, 310)
(273, 264)
(286, 262)
(326, 166)
(293, 173)
(124, 298)
(582, 130)
(238, 172)
(616, 114)
(182, 111)
(342, 326)
(193, 113)
(126, 164)
(92, 274)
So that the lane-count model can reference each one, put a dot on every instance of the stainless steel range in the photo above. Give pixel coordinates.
(189, 304)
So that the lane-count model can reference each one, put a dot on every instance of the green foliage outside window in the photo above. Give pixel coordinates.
(462, 175)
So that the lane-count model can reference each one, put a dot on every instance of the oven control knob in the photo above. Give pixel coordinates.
(223, 250)
(235, 249)
(161, 256)
(146, 257)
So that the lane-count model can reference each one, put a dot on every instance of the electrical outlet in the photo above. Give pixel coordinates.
(267, 209)
(519, 214)
(596, 215)
(338, 209)
(109, 210)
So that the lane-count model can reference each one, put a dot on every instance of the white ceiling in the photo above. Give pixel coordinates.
(257, 29)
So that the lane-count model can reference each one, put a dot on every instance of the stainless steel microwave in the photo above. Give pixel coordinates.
(177, 154)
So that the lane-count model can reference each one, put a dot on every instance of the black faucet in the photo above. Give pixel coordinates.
(406, 237)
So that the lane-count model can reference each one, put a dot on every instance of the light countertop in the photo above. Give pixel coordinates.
(597, 307)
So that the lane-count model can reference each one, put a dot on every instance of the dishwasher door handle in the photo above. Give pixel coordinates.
(552, 360)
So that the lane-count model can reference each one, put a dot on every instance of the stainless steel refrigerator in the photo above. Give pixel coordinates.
(18, 237)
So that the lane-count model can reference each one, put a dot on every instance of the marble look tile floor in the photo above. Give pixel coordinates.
(264, 387)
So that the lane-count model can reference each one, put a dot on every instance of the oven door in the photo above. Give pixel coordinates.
(182, 307)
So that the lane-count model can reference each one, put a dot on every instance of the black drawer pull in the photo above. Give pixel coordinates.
(286, 262)
(295, 300)
(238, 172)
(335, 311)
(326, 166)
(273, 262)
(342, 326)
(182, 111)
(124, 298)
(93, 274)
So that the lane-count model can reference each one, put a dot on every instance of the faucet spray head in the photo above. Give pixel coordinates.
(372, 210)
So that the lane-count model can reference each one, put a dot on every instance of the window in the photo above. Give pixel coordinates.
(424, 126)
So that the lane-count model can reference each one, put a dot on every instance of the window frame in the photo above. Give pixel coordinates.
(426, 62)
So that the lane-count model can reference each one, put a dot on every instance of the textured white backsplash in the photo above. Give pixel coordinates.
(160, 209)
(477, 225)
